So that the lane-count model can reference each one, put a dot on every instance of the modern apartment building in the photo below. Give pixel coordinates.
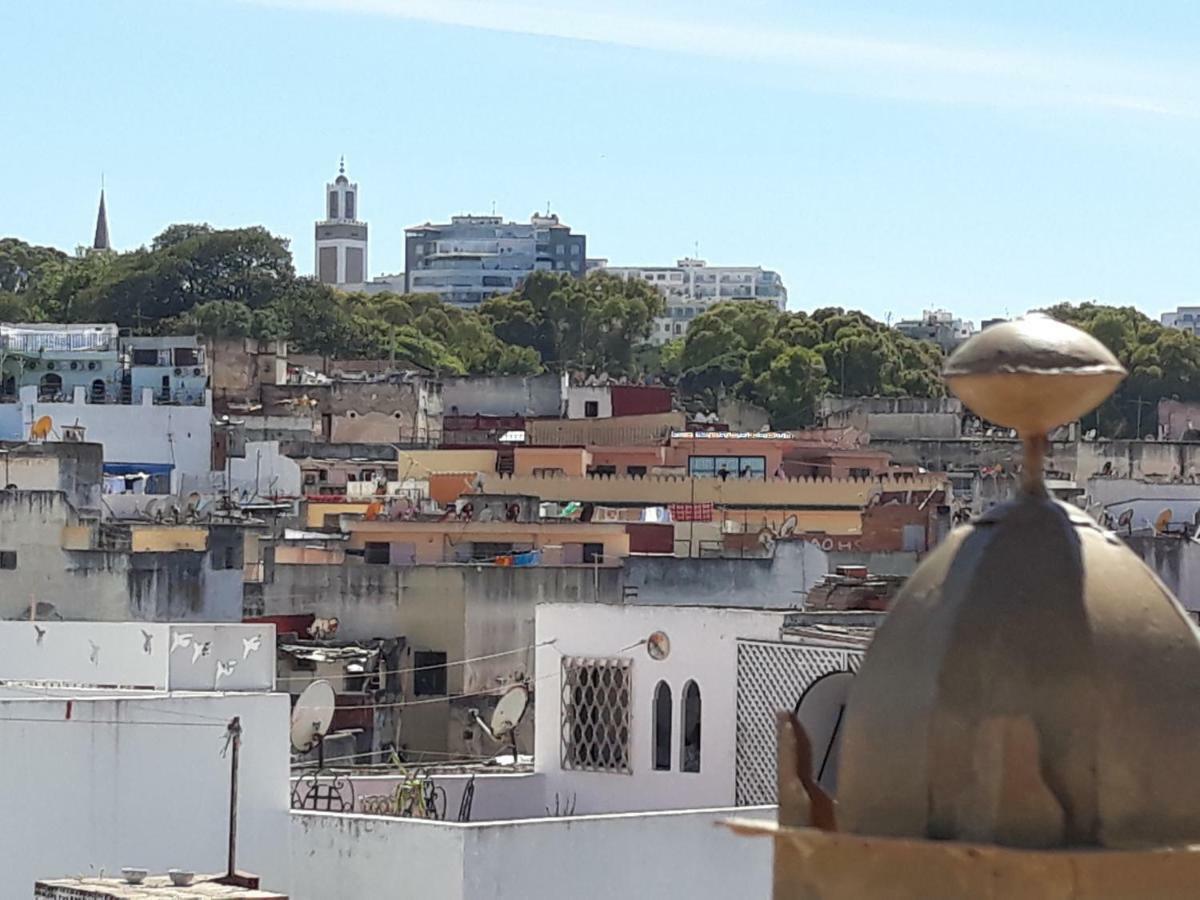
(692, 285)
(472, 258)
(938, 326)
(1185, 318)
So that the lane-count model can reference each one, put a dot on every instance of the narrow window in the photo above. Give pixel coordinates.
(591, 409)
(429, 673)
(662, 727)
(8, 559)
(690, 754)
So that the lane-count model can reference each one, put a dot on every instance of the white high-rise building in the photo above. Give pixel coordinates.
(691, 286)
(341, 239)
(1185, 318)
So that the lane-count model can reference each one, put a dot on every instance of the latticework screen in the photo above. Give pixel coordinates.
(771, 676)
(595, 714)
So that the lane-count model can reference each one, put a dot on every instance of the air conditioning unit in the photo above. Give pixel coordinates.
(179, 371)
(50, 365)
(74, 365)
(196, 371)
(91, 365)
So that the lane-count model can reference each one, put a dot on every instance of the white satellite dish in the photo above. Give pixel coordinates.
(312, 715)
(509, 711)
(821, 709)
(658, 645)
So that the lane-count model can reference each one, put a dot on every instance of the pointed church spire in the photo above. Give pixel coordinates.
(100, 242)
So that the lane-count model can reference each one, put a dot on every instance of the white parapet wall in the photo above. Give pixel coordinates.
(681, 853)
(92, 785)
(143, 655)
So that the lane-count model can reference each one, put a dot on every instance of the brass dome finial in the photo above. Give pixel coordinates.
(1033, 374)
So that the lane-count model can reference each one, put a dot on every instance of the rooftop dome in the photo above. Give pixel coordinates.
(1034, 684)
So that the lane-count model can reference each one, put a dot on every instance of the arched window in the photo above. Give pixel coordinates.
(662, 727)
(689, 754)
(50, 386)
(98, 391)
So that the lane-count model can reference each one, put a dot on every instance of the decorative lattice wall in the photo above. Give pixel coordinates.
(771, 676)
(594, 734)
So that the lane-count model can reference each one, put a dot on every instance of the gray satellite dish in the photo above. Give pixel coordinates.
(821, 709)
(507, 715)
(509, 711)
(312, 716)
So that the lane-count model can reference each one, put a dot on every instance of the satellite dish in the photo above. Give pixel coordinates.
(1163, 520)
(312, 715)
(658, 645)
(821, 709)
(509, 711)
(41, 429)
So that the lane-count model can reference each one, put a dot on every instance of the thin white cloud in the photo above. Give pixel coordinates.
(936, 72)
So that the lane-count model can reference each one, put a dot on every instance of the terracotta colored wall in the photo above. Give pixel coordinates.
(571, 460)
(446, 487)
(624, 457)
(651, 538)
(640, 400)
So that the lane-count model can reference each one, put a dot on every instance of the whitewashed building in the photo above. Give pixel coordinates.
(627, 789)
(691, 286)
(112, 735)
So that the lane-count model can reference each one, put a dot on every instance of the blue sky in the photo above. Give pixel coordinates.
(884, 156)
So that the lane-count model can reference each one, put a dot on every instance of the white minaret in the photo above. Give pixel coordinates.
(341, 239)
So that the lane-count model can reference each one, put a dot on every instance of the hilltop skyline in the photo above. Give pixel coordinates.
(985, 165)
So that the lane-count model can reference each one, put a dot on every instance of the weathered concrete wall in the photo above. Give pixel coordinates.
(103, 585)
(1145, 499)
(1177, 420)
(145, 785)
(75, 469)
(505, 395)
(742, 415)
(464, 611)
(1154, 460)
(1176, 561)
(896, 418)
(780, 582)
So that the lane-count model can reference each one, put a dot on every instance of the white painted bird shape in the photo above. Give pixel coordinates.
(251, 644)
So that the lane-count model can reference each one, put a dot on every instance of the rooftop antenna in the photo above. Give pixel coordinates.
(493, 207)
(311, 718)
(820, 711)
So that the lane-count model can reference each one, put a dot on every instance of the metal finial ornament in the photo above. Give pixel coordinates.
(1033, 374)
(342, 165)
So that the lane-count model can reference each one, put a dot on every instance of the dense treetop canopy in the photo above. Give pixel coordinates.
(242, 282)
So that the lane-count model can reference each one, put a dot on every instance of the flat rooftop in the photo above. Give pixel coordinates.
(156, 887)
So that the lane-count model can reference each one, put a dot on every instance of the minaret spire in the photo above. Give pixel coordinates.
(100, 241)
